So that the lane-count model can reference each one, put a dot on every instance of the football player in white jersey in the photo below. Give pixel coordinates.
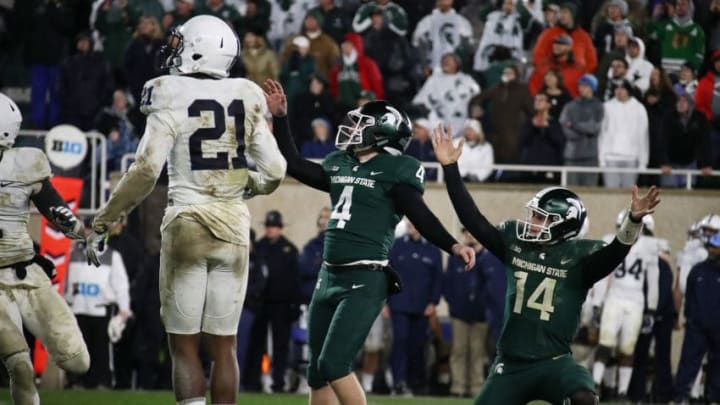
(202, 123)
(623, 304)
(27, 296)
(694, 250)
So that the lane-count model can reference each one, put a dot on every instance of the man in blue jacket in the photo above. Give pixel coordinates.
(419, 264)
(311, 257)
(702, 329)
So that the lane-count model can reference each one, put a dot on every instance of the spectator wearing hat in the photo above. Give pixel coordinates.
(687, 80)
(260, 62)
(477, 159)
(323, 47)
(85, 85)
(680, 38)
(686, 136)
(336, 21)
(624, 139)
(297, 69)
(581, 120)
(508, 104)
(603, 36)
(583, 50)
(702, 327)
(321, 144)
(394, 16)
(282, 297)
(314, 102)
(707, 101)
(621, 39)
(354, 73)
(563, 60)
(639, 70)
(442, 31)
(184, 10)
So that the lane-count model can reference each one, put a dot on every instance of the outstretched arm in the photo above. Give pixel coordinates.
(305, 171)
(53, 207)
(465, 207)
(409, 202)
(605, 260)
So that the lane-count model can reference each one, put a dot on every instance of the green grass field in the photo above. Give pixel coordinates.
(70, 397)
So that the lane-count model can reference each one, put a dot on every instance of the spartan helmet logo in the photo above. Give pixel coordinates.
(391, 118)
(574, 209)
(500, 368)
(447, 32)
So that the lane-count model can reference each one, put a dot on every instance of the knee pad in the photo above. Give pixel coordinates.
(22, 375)
(583, 398)
(78, 364)
(603, 354)
(332, 369)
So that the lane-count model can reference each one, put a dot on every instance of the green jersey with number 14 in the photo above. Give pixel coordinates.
(544, 295)
(363, 218)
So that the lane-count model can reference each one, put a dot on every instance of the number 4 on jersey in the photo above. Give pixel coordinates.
(545, 289)
(341, 211)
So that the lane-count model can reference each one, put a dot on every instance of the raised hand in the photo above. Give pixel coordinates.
(445, 152)
(275, 97)
(645, 205)
(466, 253)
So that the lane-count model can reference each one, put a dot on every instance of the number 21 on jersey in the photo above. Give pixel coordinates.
(540, 299)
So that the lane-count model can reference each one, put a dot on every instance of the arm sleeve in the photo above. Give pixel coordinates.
(47, 198)
(603, 261)
(470, 216)
(269, 162)
(409, 202)
(362, 20)
(653, 285)
(303, 170)
(140, 179)
(119, 282)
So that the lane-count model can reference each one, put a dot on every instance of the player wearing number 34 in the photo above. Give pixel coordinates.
(552, 271)
(202, 123)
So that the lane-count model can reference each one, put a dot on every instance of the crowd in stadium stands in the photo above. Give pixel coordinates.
(609, 83)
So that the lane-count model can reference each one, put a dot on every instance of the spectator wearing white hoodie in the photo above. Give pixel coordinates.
(446, 93)
(444, 30)
(502, 29)
(624, 140)
(639, 70)
(477, 159)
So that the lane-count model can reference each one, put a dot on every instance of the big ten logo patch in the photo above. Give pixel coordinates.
(66, 146)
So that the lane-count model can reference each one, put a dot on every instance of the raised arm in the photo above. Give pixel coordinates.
(263, 149)
(605, 260)
(475, 222)
(305, 171)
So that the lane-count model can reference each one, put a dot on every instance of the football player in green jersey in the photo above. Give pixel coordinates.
(549, 271)
(371, 185)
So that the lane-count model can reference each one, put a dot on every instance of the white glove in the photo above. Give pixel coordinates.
(116, 327)
(64, 219)
(95, 245)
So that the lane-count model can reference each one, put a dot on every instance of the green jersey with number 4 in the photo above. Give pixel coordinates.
(363, 218)
(545, 293)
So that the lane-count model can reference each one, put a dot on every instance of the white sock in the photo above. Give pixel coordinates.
(625, 373)
(598, 372)
(697, 387)
(22, 384)
(610, 377)
(192, 401)
(367, 381)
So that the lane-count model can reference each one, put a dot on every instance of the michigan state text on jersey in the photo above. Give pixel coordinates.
(549, 272)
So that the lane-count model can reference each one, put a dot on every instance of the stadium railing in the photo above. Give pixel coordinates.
(563, 170)
(99, 183)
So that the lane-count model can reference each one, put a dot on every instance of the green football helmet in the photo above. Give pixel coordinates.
(554, 214)
(375, 125)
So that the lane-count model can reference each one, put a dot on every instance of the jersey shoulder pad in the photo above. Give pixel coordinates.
(160, 93)
(31, 165)
(334, 160)
(408, 170)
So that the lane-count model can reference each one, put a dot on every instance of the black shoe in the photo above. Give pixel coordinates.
(402, 390)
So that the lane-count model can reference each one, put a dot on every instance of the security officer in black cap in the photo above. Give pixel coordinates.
(281, 300)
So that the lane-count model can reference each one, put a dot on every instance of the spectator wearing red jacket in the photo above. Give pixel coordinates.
(708, 103)
(582, 45)
(354, 73)
(562, 59)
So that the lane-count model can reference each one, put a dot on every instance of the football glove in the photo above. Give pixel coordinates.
(116, 327)
(95, 245)
(66, 221)
(647, 323)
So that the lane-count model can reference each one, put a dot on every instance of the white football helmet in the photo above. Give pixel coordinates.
(709, 226)
(204, 44)
(648, 220)
(10, 120)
